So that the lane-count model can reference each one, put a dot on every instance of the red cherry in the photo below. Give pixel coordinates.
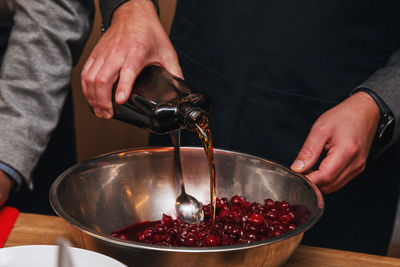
(148, 232)
(271, 214)
(245, 205)
(123, 236)
(269, 203)
(237, 200)
(292, 215)
(191, 240)
(166, 219)
(223, 215)
(256, 207)
(256, 219)
(202, 235)
(160, 228)
(283, 205)
(212, 241)
(233, 216)
(285, 218)
(276, 233)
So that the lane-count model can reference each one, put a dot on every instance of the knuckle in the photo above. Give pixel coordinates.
(351, 149)
(361, 165)
(90, 80)
(129, 68)
(327, 179)
(140, 47)
(101, 81)
(116, 46)
(307, 152)
(83, 76)
(320, 127)
(104, 104)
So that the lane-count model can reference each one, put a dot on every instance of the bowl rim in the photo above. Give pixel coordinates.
(56, 205)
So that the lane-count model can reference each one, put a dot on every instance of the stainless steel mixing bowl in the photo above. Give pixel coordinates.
(112, 191)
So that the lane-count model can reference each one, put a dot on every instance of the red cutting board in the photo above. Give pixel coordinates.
(8, 216)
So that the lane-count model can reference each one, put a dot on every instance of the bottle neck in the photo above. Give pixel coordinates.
(192, 116)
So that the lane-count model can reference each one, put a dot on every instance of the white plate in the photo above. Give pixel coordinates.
(46, 256)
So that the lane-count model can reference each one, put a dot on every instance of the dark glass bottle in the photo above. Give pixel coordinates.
(161, 103)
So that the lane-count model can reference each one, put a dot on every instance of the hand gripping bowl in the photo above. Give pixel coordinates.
(112, 191)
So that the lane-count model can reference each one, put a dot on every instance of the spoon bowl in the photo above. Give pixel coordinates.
(189, 209)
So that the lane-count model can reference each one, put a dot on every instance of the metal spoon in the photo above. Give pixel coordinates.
(188, 208)
(64, 256)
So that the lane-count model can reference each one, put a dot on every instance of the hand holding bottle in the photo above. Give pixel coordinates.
(134, 40)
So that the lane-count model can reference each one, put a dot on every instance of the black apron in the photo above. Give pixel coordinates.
(271, 69)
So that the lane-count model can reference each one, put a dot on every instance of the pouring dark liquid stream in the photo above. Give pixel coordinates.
(204, 133)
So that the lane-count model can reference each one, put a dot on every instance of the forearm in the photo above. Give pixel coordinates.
(46, 41)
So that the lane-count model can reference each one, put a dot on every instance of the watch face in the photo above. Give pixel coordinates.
(383, 135)
(385, 127)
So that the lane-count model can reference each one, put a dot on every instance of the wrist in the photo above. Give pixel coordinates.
(6, 184)
(385, 126)
(6, 180)
(126, 8)
(369, 105)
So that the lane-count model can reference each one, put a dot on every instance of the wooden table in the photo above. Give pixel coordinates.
(42, 229)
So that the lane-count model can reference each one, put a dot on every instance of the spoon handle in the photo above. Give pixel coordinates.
(176, 141)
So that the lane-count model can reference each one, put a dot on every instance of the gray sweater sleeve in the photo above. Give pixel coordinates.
(385, 82)
(47, 39)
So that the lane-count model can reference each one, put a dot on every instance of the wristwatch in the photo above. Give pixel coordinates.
(384, 132)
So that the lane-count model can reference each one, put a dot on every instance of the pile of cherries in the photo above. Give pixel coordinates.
(237, 222)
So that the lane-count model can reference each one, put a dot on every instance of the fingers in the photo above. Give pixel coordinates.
(311, 149)
(339, 167)
(98, 77)
(89, 83)
(335, 183)
(133, 65)
(125, 83)
(331, 167)
(103, 83)
(86, 68)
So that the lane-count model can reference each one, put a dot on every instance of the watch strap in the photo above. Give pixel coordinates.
(385, 128)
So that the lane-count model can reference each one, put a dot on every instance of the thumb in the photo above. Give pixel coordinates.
(310, 151)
